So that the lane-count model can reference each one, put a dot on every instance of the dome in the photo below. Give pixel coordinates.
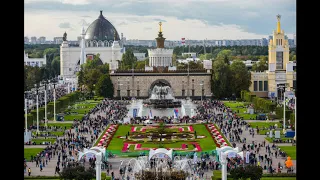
(101, 29)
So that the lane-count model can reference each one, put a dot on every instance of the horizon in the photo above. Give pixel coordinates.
(138, 19)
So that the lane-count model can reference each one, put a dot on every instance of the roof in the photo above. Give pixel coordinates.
(101, 29)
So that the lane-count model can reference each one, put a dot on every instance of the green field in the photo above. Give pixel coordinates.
(278, 178)
(39, 141)
(31, 151)
(270, 140)
(206, 144)
(290, 150)
(240, 107)
(264, 124)
(68, 125)
(55, 133)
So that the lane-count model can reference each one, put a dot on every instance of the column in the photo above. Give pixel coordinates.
(98, 170)
(223, 162)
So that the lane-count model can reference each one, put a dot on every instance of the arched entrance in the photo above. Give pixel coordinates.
(158, 82)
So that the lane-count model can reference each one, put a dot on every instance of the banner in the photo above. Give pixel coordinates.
(175, 113)
(247, 157)
(135, 110)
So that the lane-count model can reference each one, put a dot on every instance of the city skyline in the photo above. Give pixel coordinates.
(138, 19)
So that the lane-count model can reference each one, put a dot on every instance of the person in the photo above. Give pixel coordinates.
(29, 172)
(40, 167)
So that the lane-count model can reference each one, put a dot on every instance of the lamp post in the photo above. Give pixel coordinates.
(201, 90)
(295, 118)
(45, 103)
(26, 111)
(37, 103)
(54, 101)
(120, 91)
(68, 87)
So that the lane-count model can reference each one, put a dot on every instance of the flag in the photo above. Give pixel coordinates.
(135, 112)
(175, 113)
(150, 114)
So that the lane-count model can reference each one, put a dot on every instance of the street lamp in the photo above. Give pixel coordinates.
(37, 102)
(54, 101)
(201, 90)
(120, 90)
(45, 103)
(68, 87)
(26, 111)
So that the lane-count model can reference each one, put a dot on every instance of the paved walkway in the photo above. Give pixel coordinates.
(34, 146)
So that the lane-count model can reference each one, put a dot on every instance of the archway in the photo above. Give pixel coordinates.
(158, 82)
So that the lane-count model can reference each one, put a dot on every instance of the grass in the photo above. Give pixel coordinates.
(31, 151)
(39, 141)
(117, 143)
(72, 117)
(207, 143)
(270, 140)
(56, 133)
(263, 124)
(240, 106)
(278, 178)
(290, 150)
(68, 125)
(102, 135)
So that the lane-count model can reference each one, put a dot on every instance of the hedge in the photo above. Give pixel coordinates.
(61, 104)
(279, 113)
(217, 175)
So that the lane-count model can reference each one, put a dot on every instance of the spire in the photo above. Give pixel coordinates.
(160, 39)
(160, 24)
(278, 24)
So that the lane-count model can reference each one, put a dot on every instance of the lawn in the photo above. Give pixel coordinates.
(206, 144)
(278, 178)
(240, 109)
(68, 125)
(290, 150)
(264, 124)
(56, 133)
(39, 141)
(270, 140)
(72, 117)
(31, 151)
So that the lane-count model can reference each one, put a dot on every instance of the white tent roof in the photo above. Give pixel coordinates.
(160, 151)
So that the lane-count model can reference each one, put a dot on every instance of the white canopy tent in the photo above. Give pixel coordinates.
(160, 153)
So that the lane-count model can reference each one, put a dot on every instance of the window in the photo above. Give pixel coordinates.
(128, 93)
(118, 93)
(192, 92)
(294, 84)
(265, 85)
(255, 86)
(260, 86)
(279, 60)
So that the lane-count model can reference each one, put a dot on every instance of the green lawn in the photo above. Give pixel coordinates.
(240, 107)
(117, 143)
(207, 143)
(72, 117)
(39, 141)
(278, 178)
(56, 133)
(68, 125)
(263, 124)
(31, 151)
(270, 140)
(290, 150)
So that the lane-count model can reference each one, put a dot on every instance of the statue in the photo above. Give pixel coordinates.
(160, 24)
(278, 17)
(64, 36)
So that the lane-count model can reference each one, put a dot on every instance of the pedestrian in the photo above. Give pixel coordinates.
(29, 172)
(40, 167)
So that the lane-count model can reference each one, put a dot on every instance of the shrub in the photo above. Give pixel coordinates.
(217, 174)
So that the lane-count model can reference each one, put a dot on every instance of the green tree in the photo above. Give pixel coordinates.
(240, 77)
(128, 59)
(220, 79)
(207, 56)
(225, 55)
(104, 87)
(261, 65)
(91, 77)
(140, 64)
(77, 172)
(55, 64)
(174, 59)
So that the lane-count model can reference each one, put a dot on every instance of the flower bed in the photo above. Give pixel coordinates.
(216, 136)
(106, 138)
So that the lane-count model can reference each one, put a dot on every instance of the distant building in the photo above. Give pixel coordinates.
(58, 40)
(294, 40)
(41, 40)
(26, 40)
(191, 54)
(140, 56)
(34, 61)
(33, 40)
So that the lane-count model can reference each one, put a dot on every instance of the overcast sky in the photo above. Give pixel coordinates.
(138, 19)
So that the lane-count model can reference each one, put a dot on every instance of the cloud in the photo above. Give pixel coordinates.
(160, 20)
(123, 24)
(65, 25)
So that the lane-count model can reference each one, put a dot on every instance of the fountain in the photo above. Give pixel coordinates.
(159, 165)
(162, 97)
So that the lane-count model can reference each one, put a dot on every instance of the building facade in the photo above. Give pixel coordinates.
(140, 56)
(281, 75)
(34, 61)
(101, 38)
(139, 83)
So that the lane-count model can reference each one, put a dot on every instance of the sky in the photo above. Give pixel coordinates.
(138, 19)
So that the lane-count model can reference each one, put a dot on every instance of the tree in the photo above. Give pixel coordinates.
(104, 87)
(55, 64)
(91, 77)
(220, 79)
(77, 172)
(240, 77)
(128, 59)
(207, 56)
(261, 65)
(174, 60)
(140, 64)
(225, 55)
